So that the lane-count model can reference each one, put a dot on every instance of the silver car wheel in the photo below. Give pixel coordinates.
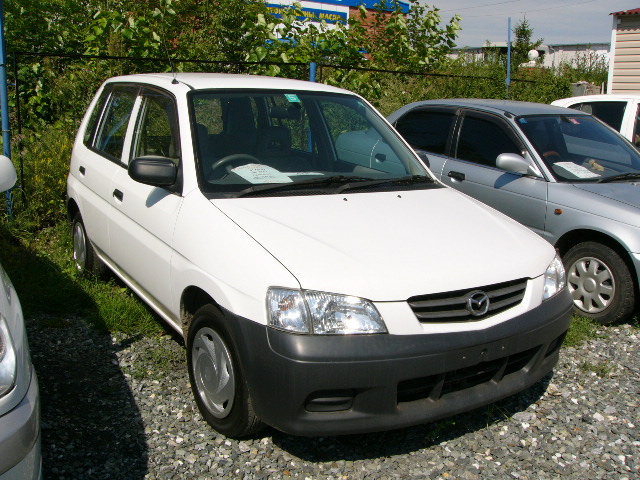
(213, 372)
(591, 284)
(79, 246)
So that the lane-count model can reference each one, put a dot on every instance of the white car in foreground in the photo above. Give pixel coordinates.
(19, 395)
(323, 284)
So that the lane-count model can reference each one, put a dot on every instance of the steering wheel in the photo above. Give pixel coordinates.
(239, 158)
(550, 153)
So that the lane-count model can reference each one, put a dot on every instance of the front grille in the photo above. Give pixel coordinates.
(452, 306)
(438, 386)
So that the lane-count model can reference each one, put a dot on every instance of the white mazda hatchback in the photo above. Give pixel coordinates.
(323, 280)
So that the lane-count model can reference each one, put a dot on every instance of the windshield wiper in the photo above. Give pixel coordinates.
(318, 181)
(344, 183)
(621, 177)
(394, 181)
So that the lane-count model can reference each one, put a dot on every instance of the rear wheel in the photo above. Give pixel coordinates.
(84, 255)
(600, 282)
(217, 382)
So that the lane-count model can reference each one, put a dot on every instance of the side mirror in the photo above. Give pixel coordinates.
(8, 174)
(514, 163)
(154, 171)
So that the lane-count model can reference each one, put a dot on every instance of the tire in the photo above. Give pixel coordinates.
(84, 256)
(217, 382)
(600, 282)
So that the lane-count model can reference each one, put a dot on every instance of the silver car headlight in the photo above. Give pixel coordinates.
(555, 278)
(322, 313)
(8, 359)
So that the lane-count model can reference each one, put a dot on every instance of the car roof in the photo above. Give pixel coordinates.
(513, 107)
(203, 81)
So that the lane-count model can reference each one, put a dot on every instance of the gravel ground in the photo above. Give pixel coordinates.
(115, 407)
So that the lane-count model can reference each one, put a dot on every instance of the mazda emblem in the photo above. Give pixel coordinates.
(478, 303)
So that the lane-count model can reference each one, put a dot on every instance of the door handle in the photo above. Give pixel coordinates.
(82, 170)
(456, 176)
(118, 194)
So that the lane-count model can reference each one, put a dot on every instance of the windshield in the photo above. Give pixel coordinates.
(580, 148)
(251, 141)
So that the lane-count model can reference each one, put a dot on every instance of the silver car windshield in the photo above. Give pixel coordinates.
(580, 148)
(252, 142)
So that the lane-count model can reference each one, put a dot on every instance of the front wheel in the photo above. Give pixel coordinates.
(600, 282)
(217, 381)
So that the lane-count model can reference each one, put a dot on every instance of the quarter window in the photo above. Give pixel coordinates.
(89, 133)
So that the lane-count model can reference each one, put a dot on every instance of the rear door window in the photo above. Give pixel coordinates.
(427, 129)
(113, 127)
(610, 113)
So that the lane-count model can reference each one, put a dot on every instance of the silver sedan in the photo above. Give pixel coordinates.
(561, 172)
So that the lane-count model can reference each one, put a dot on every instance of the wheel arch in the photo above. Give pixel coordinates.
(72, 209)
(193, 298)
(574, 237)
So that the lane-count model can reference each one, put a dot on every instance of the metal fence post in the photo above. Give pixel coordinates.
(312, 71)
(4, 101)
(509, 60)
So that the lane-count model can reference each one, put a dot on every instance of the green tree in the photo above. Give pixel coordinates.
(393, 39)
(523, 43)
(216, 29)
(384, 39)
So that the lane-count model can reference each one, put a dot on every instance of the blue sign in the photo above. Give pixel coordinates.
(329, 16)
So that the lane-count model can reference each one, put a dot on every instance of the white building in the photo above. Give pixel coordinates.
(551, 55)
(624, 68)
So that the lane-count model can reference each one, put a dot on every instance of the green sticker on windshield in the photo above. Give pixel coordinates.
(292, 97)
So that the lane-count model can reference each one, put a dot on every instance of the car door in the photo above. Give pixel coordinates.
(97, 164)
(428, 129)
(472, 169)
(143, 219)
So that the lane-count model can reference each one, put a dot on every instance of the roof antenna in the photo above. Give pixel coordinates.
(173, 69)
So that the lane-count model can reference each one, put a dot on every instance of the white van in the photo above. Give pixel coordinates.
(322, 287)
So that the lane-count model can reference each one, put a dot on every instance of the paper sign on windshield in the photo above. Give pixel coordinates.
(577, 170)
(257, 173)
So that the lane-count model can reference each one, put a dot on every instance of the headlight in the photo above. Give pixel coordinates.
(555, 278)
(322, 313)
(8, 359)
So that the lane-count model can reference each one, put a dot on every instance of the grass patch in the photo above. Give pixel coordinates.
(41, 267)
(582, 330)
(601, 369)
(166, 356)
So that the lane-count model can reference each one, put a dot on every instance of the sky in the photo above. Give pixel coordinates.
(556, 21)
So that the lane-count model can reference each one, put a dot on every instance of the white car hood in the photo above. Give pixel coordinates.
(389, 246)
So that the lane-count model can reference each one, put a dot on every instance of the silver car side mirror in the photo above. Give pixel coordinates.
(8, 174)
(514, 163)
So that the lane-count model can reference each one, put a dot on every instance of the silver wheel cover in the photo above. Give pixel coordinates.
(591, 284)
(213, 372)
(79, 246)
